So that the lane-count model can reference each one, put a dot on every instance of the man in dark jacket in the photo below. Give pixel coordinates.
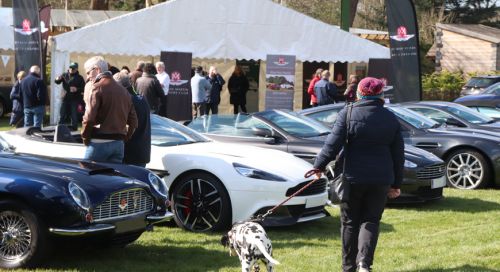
(73, 85)
(374, 167)
(138, 147)
(34, 95)
(149, 87)
(213, 95)
(324, 90)
(137, 73)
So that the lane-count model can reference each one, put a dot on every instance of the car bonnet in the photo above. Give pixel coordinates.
(98, 181)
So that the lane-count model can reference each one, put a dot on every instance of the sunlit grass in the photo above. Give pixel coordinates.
(458, 233)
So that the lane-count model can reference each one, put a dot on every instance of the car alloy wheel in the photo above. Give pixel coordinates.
(467, 169)
(22, 241)
(200, 203)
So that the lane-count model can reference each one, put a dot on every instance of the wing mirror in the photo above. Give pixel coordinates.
(263, 132)
(454, 122)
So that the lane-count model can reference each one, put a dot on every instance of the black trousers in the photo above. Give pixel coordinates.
(69, 110)
(360, 219)
(214, 107)
(236, 106)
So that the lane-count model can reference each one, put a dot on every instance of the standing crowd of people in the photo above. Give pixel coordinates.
(323, 92)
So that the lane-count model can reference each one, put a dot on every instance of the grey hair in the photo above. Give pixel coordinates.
(96, 61)
(35, 69)
(140, 64)
(160, 64)
(122, 78)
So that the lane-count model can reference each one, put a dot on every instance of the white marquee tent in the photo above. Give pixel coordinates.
(215, 29)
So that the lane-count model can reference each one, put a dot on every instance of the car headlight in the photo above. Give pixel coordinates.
(158, 184)
(251, 172)
(79, 196)
(410, 164)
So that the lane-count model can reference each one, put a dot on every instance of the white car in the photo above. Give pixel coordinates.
(211, 184)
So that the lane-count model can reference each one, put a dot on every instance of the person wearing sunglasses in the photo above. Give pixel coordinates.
(73, 85)
(110, 118)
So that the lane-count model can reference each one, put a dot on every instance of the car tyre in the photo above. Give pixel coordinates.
(467, 169)
(201, 203)
(23, 240)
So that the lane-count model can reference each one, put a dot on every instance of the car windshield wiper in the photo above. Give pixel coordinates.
(436, 125)
(324, 133)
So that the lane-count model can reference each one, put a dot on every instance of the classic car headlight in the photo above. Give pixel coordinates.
(251, 172)
(410, 164)
(158, 184)
(79, 196)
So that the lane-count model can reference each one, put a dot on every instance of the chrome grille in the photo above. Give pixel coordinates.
(317, 187)
(431, 172)
(124, 203)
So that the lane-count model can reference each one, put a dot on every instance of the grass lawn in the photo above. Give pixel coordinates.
(458, 233)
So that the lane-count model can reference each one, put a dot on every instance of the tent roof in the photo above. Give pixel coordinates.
(221, 29)
(6, 31)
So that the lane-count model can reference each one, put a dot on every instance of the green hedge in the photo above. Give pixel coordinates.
(444, 86)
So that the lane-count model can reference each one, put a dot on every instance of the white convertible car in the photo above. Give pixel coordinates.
(211, 184)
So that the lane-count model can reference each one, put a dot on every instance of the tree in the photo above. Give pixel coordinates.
(99, 4)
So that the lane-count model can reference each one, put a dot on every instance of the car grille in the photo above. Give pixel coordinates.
(317, 187)
(431, 172)
(124, 203)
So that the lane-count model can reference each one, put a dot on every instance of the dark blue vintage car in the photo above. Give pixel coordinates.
(43, 201)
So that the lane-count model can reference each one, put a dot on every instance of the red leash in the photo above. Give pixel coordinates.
(270, 211)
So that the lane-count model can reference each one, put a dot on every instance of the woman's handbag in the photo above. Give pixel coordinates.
(339, 187)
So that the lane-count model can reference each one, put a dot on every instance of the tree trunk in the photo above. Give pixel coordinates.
(353, 9)
(99, 4)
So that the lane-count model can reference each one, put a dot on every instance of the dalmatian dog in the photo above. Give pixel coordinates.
(249, 241)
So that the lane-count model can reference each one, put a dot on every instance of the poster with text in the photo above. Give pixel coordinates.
(178, 67)
(27, 40)
(280, 82)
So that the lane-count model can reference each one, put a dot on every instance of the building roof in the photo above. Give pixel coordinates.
(478, 31)
(80, 18)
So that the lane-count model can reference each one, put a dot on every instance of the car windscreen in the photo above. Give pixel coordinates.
(413, 118)
(493, 89)
(468, 114)
(240, 125)
(480, 82)
(295, 124)
(165, 132)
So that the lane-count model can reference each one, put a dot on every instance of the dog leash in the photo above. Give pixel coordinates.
(270, 211)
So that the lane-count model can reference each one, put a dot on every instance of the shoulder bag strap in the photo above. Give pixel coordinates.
(348, 126)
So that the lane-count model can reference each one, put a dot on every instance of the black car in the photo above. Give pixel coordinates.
(304, 137)
(487, 103)
(5, 102)
(453, 114)
(472, 158)
(477, 84)
(45, 202)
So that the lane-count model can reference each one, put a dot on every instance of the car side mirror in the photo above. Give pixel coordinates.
(454, 122)
(262, 132)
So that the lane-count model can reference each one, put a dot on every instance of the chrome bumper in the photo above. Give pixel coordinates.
(158, 218)
(84, 230)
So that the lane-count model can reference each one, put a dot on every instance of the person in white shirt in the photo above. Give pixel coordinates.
(199, 88)
(165, 83)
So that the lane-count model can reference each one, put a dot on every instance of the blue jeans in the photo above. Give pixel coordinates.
(105, 152)
(34, 116)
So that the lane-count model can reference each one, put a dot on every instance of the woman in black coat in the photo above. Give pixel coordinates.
(374, 163)
(238, 88)
(17, 116)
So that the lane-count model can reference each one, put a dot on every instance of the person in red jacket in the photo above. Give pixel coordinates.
(310, 90)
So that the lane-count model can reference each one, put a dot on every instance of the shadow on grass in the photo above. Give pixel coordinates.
(463, 268)
(136, 257)
(456, 204)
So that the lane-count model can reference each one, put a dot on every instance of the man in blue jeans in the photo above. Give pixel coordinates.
(34, 94)
(110, 117)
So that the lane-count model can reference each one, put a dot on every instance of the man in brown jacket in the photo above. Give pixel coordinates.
(110, 110)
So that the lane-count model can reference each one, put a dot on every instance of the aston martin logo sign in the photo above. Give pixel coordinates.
(26, 30)
(176, 79)
(123, 204)
(402, 35)
(281, 61)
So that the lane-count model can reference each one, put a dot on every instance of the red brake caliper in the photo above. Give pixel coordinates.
(188, 201)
